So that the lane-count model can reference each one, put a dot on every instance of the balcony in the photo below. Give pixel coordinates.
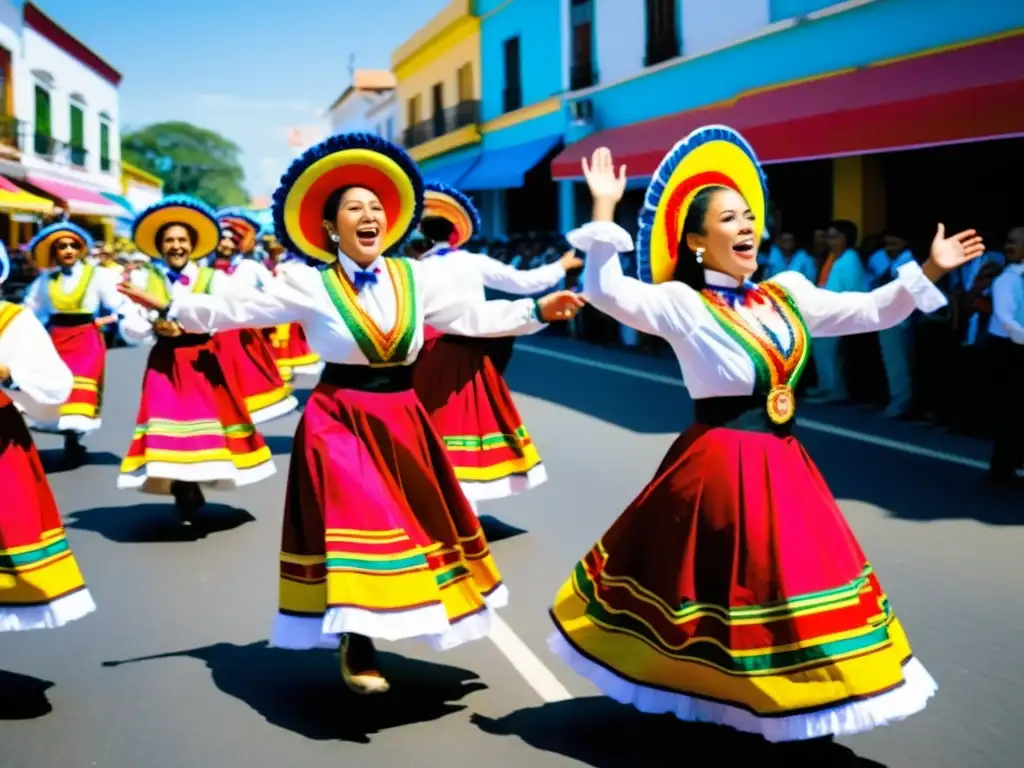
(582, 76)
(11, 133)
(77, 156)
(446, 121)
(661, 49)
(512, 98)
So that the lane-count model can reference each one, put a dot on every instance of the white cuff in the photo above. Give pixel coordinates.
(583, 239)
(927, 296)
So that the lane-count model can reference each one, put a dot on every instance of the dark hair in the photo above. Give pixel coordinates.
(688, 271)
(436, 229)
(847, 229)
(193, 236)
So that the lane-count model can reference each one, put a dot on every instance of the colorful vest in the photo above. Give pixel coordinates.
(779, 363)
(64, 303)
(381, 349)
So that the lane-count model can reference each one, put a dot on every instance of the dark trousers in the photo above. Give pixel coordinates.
(1006, 363)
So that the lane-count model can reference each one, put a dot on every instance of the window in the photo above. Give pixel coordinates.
(43, 124)
(105, 145)
(662, 35)
(513, 95)
(437, 95)
(413, 111)
(77, 122)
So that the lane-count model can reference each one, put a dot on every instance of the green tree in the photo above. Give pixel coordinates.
(191, 161)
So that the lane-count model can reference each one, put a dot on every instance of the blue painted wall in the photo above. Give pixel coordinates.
(456, 155)
(788, 9)
(882, 30)
(538, 24)
(538, 128)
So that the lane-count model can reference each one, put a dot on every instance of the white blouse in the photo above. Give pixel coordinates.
(713, 364)
(102, 290)
(1007, 319)
(477, 271)
(300, 296)
(42, 378)
(137, 326)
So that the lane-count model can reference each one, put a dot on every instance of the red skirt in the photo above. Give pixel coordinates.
(473, 411)
(733, 591)
(41, 585)
(84, 352)
(292, 351)
(379, 539)
(248, 362)
(192, 424)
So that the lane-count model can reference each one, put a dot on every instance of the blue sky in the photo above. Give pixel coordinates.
(249, 74)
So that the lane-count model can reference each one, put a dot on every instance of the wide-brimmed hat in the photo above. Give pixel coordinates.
(714, 155)
(177, 209)
(40, 247)
(242, 224)
(453, 206)
(346, 160)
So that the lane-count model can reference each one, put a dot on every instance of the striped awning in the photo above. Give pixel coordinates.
(129, 210)
(16, 200)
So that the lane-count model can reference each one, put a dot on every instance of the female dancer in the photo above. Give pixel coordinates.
(458, 379)
(193, 426)
(245, 355)
(68, 299)
(732, 590)
(379, 540)
(41, 586)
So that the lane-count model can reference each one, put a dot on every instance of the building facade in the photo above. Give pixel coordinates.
(522, 125)
(66, 100)
(437, 93)
(832, 95)
(352, 110)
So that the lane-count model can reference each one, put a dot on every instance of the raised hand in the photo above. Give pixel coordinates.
(604, 183)
(948, 253)
(570, 260)
(140, 297)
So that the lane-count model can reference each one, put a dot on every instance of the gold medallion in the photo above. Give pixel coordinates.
(781, 404)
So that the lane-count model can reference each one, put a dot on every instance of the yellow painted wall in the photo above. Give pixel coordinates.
(858, 192)
(434, 55)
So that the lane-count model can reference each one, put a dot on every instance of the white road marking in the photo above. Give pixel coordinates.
(526, 663)
(817, 426)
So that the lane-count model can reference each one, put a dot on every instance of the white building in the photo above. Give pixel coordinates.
(367, 105)
(66, 103)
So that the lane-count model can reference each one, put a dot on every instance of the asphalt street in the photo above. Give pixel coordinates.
(172, 671)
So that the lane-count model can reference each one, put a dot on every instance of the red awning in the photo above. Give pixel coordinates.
(75, 199)
(968, 94)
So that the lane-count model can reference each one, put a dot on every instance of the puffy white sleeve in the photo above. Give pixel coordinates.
(42, 378)
(448, 307)
(135, 324)
(283, 301)
(36, 299)
(666, 310)
(1004, 305)
(524, 282)
(841, 313)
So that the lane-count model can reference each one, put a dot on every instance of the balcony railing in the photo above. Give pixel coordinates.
(582, 75)
(512, 98)
(446, 121)
(661, 49)
(77, 156)
(11, 130)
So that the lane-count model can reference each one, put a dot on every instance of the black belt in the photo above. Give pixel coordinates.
(184, 340)
(70, 320)
(747, 413)
(395, 378)
(499, 349)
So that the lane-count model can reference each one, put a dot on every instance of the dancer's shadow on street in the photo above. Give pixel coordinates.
(156, 523)
(302, 692)
(498, 530)
(55, 461)
(23, 697)
(600, 733)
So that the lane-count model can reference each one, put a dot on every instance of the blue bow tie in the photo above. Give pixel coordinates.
(443, 251)
(364, 277)
(174, 277)
(66, 271)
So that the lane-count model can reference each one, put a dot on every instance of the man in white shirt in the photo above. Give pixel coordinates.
(1006, 356)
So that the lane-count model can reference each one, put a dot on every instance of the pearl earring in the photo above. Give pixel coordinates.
(699, 253)
(334, 237)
